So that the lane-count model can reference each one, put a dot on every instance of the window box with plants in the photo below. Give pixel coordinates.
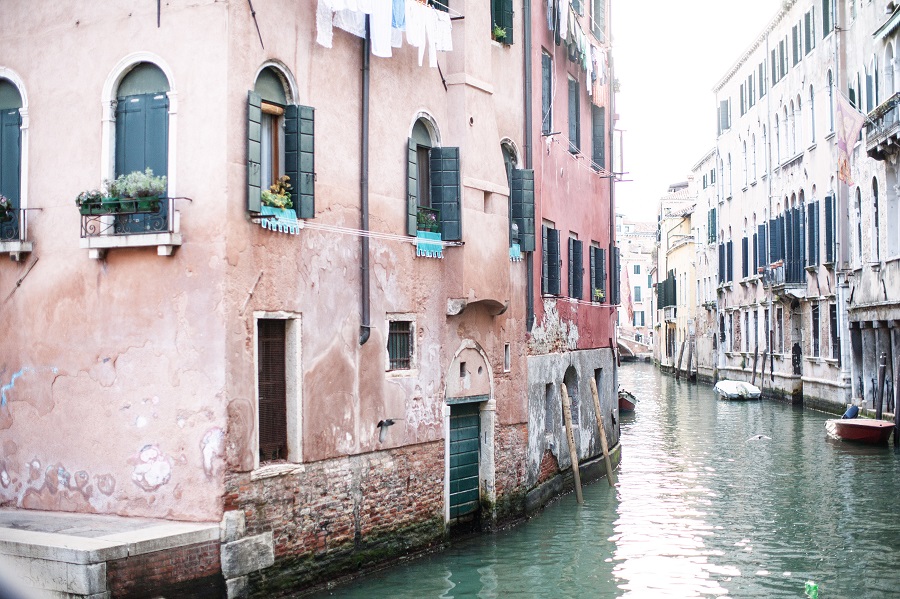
(428, 219)
(278, 198)
(6, 209)
(135, 193)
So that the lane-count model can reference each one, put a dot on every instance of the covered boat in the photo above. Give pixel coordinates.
(863, 430)
(737, 390)
(627, 401)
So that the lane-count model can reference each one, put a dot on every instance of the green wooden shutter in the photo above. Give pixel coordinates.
(553, 262)
(578, 268)
(601, 274)
(545, 261)
(711, 226)
(592, 255)
(506, 20)
(299, 158)
(761, 246)
(598, 135)
(412, 186)
(546, 93)
(829, 229)
(522, 193)
(142, 142)
(10, 155)
(446, 191)
(254, 151)
(615, 268)
(598, 26)
(574, 128)
(571, 267)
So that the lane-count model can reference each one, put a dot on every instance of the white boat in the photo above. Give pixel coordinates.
(737, 390)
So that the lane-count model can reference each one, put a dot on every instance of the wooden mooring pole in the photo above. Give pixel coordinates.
(762, 369)
(687, 371)
(570, 437)
(879, 391)
(610, 474)
(897, 407)
(755, 359)
(680, 357)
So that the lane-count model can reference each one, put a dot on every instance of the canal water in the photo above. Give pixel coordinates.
(701, 510)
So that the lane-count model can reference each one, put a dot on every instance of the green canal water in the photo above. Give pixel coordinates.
(700, 511)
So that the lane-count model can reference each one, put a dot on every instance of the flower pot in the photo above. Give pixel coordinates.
(6, 216)
(127, 205)
(148, 204)
(85, 209)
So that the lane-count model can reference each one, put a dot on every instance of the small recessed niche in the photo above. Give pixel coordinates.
(462, 370)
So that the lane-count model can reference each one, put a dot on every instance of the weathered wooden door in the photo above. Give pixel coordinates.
(465, 428)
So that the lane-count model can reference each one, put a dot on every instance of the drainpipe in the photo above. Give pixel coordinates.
(364, 326)
(529, 162)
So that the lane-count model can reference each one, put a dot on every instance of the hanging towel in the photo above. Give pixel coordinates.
(429, 244)
(398, 17)
(324, 29)
(380, 27)
(444, 32)
(563, 19)
(396, 38)
(415, 24)
(351, 21)
(366, 6)
(429, 16)
(589, 80)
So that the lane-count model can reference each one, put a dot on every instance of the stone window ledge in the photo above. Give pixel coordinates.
(15, 249)
(165, 243)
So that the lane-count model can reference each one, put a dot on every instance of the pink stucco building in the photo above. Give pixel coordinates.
(352, 373)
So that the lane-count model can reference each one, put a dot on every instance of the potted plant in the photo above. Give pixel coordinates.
(498, 33)
(90, 202)
(279, 194)
(598, 295)
(427, 220)
(135, 192)
(6, 209)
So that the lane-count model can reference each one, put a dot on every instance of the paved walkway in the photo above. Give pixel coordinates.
(66, 552)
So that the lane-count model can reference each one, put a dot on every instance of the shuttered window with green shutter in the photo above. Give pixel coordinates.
(574, 117)
(299, 155)
(598, 20)
(598, 136)
(142, 142)
(502, 17)
(522, 199)
(546, 93)
(550, 261)
(711, 226)
(576, 268)
(10, 167)
(829, 229)
(446, 191)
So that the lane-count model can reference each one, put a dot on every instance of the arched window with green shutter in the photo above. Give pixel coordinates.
(142, 138)
(10, 158)
(280, 142)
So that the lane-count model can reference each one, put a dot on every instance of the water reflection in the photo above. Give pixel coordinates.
(701, 510)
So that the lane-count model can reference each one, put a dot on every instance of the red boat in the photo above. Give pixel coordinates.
(627, 401)
(864, 430)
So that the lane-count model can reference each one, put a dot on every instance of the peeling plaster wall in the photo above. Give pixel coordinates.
(112, 371)
(346, 390)
(545, 419)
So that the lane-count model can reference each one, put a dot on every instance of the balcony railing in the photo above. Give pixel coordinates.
(883, 129)
(12, 234)
(131, 225)
(669, 313)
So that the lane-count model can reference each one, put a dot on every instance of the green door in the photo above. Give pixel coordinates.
(464, 432)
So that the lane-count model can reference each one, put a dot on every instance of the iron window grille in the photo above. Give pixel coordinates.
(400, 344)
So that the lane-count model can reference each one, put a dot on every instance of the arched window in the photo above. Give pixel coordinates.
(798, 126)
(876, 233)
(745, 162)
(889, 70)
(753, 157)
(777, 142)
(830, 85)
(521, 198)
(11, 157)
(280, 143)
(812, 115)
(142, 136)
(859, 236)
(729, 177)
(433, 186)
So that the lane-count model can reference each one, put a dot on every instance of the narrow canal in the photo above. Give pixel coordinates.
(701, 510)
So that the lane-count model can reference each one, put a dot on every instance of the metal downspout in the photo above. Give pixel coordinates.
(529, 162)
(364, 326)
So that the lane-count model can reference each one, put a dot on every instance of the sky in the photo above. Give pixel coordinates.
(668, 57)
